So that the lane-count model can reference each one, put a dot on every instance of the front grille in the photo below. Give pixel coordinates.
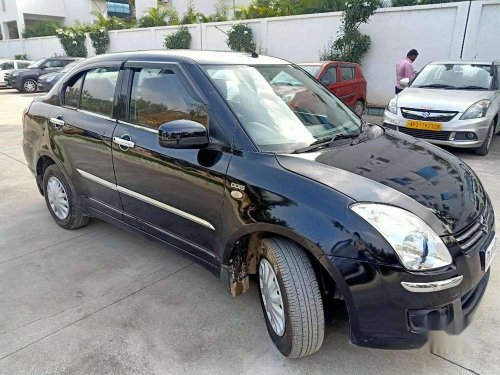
(475, 232)
(424, 134)
(427, 115)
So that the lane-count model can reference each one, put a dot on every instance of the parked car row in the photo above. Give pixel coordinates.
(26, 80)
(249, 165)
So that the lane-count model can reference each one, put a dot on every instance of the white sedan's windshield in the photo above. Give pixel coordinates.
(455, 77)
(280, 107)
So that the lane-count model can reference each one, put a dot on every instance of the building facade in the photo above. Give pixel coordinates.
(16, 15)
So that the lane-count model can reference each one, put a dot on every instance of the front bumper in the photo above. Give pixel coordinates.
(452, 132)
(383, 314)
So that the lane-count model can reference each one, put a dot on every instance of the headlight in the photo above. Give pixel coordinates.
(14, 74)
(476, 110)
(417, 246)
(392, 106)
(50, 79)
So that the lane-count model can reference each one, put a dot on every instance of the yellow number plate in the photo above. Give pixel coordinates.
(424, 125)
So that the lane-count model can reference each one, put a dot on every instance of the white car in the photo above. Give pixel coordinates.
(454, 103)
(8, 65)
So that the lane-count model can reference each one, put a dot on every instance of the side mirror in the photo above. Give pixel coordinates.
(404, 82)
(183, 134)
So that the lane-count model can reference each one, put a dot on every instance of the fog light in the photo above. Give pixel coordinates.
(452, 136)
(471, 135)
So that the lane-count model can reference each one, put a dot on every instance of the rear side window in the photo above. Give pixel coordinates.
(98, 91)
(72, 93)
(22, 65)
(159, 96)
(347, 73)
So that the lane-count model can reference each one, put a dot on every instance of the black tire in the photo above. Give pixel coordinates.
(484, 149)
(303, 306)
(27, 83)
(359, 108)
(74, 219)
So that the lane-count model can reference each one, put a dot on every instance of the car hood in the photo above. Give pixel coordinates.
(26, 71)
(44, 77)
(438, 99)
(396, 169)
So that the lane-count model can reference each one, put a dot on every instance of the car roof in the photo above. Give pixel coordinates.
(201, 57)
(465, 62)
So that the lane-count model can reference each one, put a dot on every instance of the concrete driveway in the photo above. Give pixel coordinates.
(102, 301)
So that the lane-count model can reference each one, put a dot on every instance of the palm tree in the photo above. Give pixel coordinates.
(159, 17)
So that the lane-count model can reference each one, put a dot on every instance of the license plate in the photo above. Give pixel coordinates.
(490, 253)
(423, 125)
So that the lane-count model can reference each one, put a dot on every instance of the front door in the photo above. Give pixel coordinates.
(80, 130)
(174, 194)
(346, 89)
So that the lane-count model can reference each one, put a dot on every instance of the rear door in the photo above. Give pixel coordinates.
(346, 89)
(174, 194)
(80, 131)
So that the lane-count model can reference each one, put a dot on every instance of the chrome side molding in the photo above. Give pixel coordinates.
(433, 286)
(146, 199)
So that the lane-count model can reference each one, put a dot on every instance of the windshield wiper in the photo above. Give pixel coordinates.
(472, 87)
(326, 141)
(436, 86)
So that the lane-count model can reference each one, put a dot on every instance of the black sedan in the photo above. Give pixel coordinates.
(206, 152)
(25, 80)
(47, 81)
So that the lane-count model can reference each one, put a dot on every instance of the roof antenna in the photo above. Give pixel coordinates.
(254, 54)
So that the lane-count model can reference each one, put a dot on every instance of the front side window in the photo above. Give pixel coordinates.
(72, 93)
(280, 106)
(455, 77)
(159, 96)
(330, 76)
(347, 73)
(98, 91)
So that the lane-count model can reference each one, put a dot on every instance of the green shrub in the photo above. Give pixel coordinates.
(21, 57)
(181, 39)
(240, 38)
(159, 17)
(351, 45)
(100, 40)
(41, 28)
(73, 41)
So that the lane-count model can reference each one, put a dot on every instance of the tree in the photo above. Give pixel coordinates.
(352, 44)
(159, 17)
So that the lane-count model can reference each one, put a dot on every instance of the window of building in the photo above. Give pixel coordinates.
(98, 91)
(159, 96)
(347, 73)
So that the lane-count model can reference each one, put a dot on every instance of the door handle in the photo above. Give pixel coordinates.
(58, 122)
(123, 142)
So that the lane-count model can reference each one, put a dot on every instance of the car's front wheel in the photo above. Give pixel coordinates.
(290, 298)
(61, 201)
(29, 85)
(484, 149)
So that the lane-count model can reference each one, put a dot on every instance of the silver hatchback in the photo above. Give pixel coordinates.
(455, 103)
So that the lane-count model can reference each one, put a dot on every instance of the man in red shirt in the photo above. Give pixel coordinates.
(404, 69)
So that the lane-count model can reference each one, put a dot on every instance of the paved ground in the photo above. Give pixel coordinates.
(100, 300)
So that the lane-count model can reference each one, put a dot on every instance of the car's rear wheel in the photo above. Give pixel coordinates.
(61, 201)
(290, 298)
(359, 108)
(29, 85)
(484, 149)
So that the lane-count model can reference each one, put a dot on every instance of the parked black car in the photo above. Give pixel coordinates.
(207, 152)
(25, 80)
(46, 81)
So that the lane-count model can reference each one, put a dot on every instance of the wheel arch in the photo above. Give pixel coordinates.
(44, 160)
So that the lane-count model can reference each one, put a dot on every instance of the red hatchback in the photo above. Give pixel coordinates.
(344, 79)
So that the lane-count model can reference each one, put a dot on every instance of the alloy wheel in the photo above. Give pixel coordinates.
(29, 86)
(58, 198)
(272, 297)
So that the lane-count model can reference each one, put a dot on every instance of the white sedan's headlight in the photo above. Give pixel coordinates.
(477, 110)
(418, 247)
(393, 106)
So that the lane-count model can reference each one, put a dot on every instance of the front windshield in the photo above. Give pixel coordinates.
(36, 64)
(311, 69)
(281, 108)
(455, 77)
